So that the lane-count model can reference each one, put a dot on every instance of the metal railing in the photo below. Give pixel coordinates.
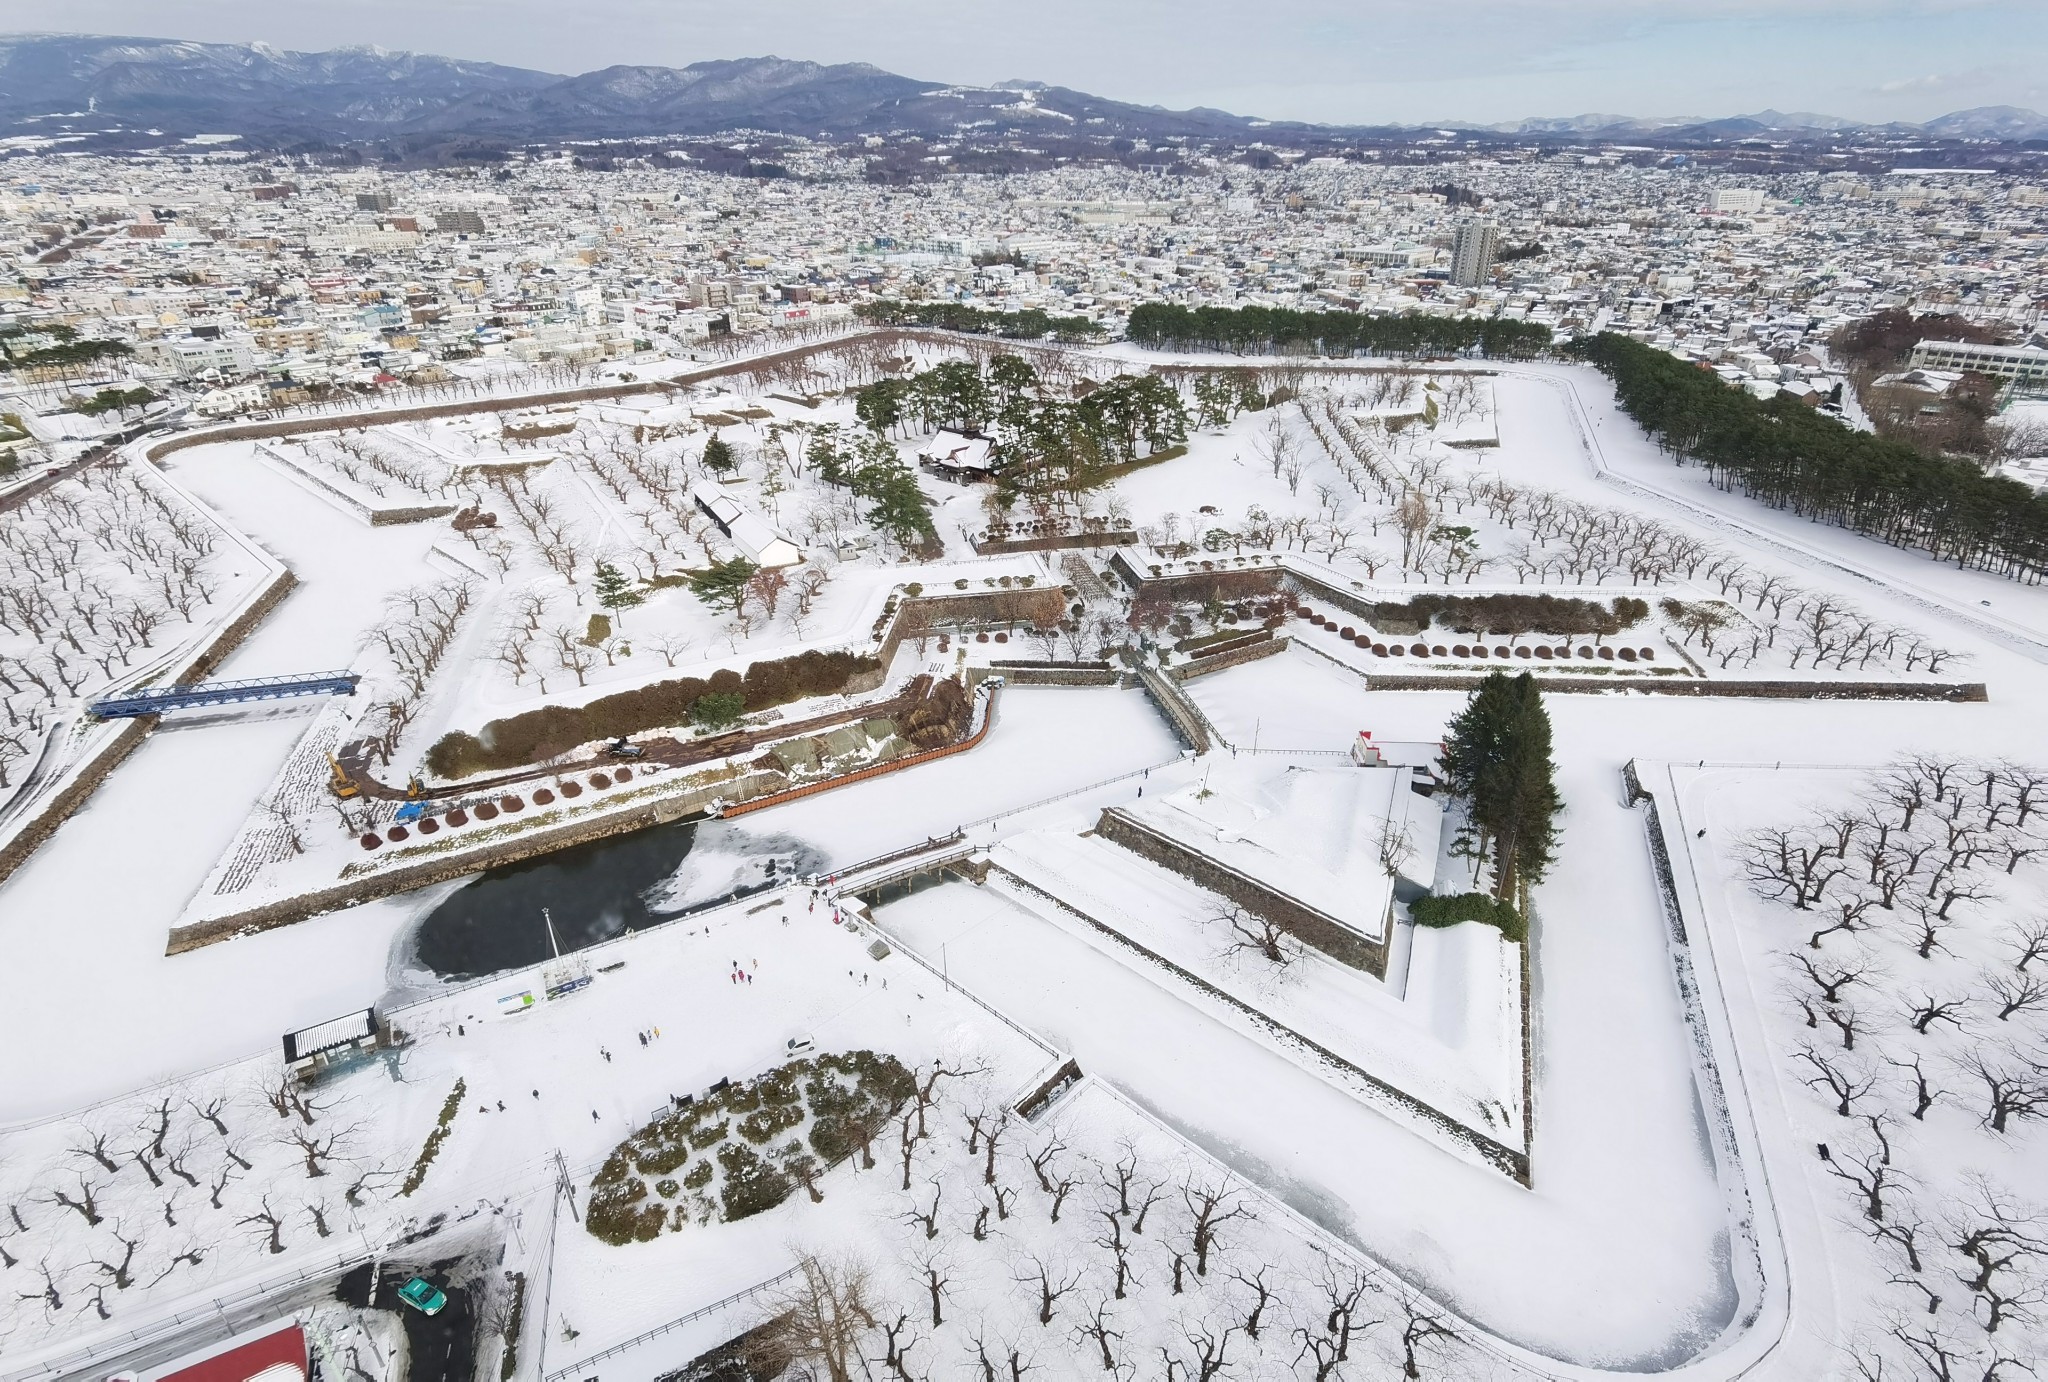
(580, 1368)
(155, 699)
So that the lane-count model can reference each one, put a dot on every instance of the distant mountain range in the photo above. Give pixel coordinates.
(1983, 122)
(368, 94)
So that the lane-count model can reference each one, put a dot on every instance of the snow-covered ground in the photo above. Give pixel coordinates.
(1639, 1244)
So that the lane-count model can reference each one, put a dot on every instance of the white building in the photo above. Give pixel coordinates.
(2026, 365)
(1737, 201)
(1472, 252)
(748, 531)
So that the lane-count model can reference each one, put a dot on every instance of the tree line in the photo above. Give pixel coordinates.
(1790, 457)
(1053, 448)
(1247, 330)
(1031, 324)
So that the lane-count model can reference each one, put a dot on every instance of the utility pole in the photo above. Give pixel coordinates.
(564, 1186)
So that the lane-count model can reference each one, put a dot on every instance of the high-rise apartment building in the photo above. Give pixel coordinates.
(1472, 252)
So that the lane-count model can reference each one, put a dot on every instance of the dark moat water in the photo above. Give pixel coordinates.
(599, 890)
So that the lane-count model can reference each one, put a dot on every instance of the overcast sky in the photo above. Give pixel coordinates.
(1331, 60)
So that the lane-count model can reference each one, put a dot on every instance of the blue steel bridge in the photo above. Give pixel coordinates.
(154, 700)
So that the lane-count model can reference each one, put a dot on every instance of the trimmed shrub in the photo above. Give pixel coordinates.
(1480, 907)
(770, 1121)
(717, 709)
(615, 1214)
(749, 1185)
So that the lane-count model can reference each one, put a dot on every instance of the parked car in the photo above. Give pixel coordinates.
(423, 1296)
(799, 1046)
(622, 749)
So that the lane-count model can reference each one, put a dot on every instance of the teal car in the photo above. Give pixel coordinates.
(423, 1296)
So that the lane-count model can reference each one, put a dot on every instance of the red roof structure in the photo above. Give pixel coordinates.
(280, 1355)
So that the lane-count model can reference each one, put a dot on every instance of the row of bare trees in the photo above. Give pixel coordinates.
(1019, 1250)
(1917, 994)
(415, 634)
(178, 1186)
(90, 571)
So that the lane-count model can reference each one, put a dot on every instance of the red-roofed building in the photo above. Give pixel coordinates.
(278, 1356)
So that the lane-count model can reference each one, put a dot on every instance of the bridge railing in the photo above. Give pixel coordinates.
(153, 699)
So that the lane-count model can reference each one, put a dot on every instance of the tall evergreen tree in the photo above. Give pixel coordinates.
(614, 590)
(718, 456)
(1497, 761)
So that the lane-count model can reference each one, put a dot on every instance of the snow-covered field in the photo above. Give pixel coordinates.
(1679, 1216)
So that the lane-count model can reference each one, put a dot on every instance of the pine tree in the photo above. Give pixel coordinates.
(724, 583)
(1497, 760)
(718, 456)
(614, 591)
(825, 458)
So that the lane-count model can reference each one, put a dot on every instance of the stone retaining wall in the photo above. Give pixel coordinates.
(1291, 915)
(1236, 657)
(400, 878)
(1002, 546)
(1510, 1161)
(1015, 606)
(1049, 675)
(408, 877)
(1971, 691)
(374, 515)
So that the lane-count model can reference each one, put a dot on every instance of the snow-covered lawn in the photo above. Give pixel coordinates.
(1632, 1248)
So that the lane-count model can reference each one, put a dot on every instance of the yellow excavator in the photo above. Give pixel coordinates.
(340, 783)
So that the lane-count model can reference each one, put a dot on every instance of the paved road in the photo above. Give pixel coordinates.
(441, 1347)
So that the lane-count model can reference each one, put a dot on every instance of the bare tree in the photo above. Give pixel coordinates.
(1847, 1083)
(2017, 992)
(1262, 1296)
(96, 1148)
(820, 1317)
(269, 1223)
(934, 1268)
(1256, 935)
(1053, 1279)
(1924, 1093)
(2009, 1092)
(1927, 1010)
(2001, 1240)
(119, 1274)
(2029, 942)
(1096, 1327)
(1423, 1332)
(86, 1204)
(1119, 1250)
(1210, 1206)
(929, 1219)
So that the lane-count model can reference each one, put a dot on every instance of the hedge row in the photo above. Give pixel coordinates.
(1480, 907)
(1511, 614)
(538, 735)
